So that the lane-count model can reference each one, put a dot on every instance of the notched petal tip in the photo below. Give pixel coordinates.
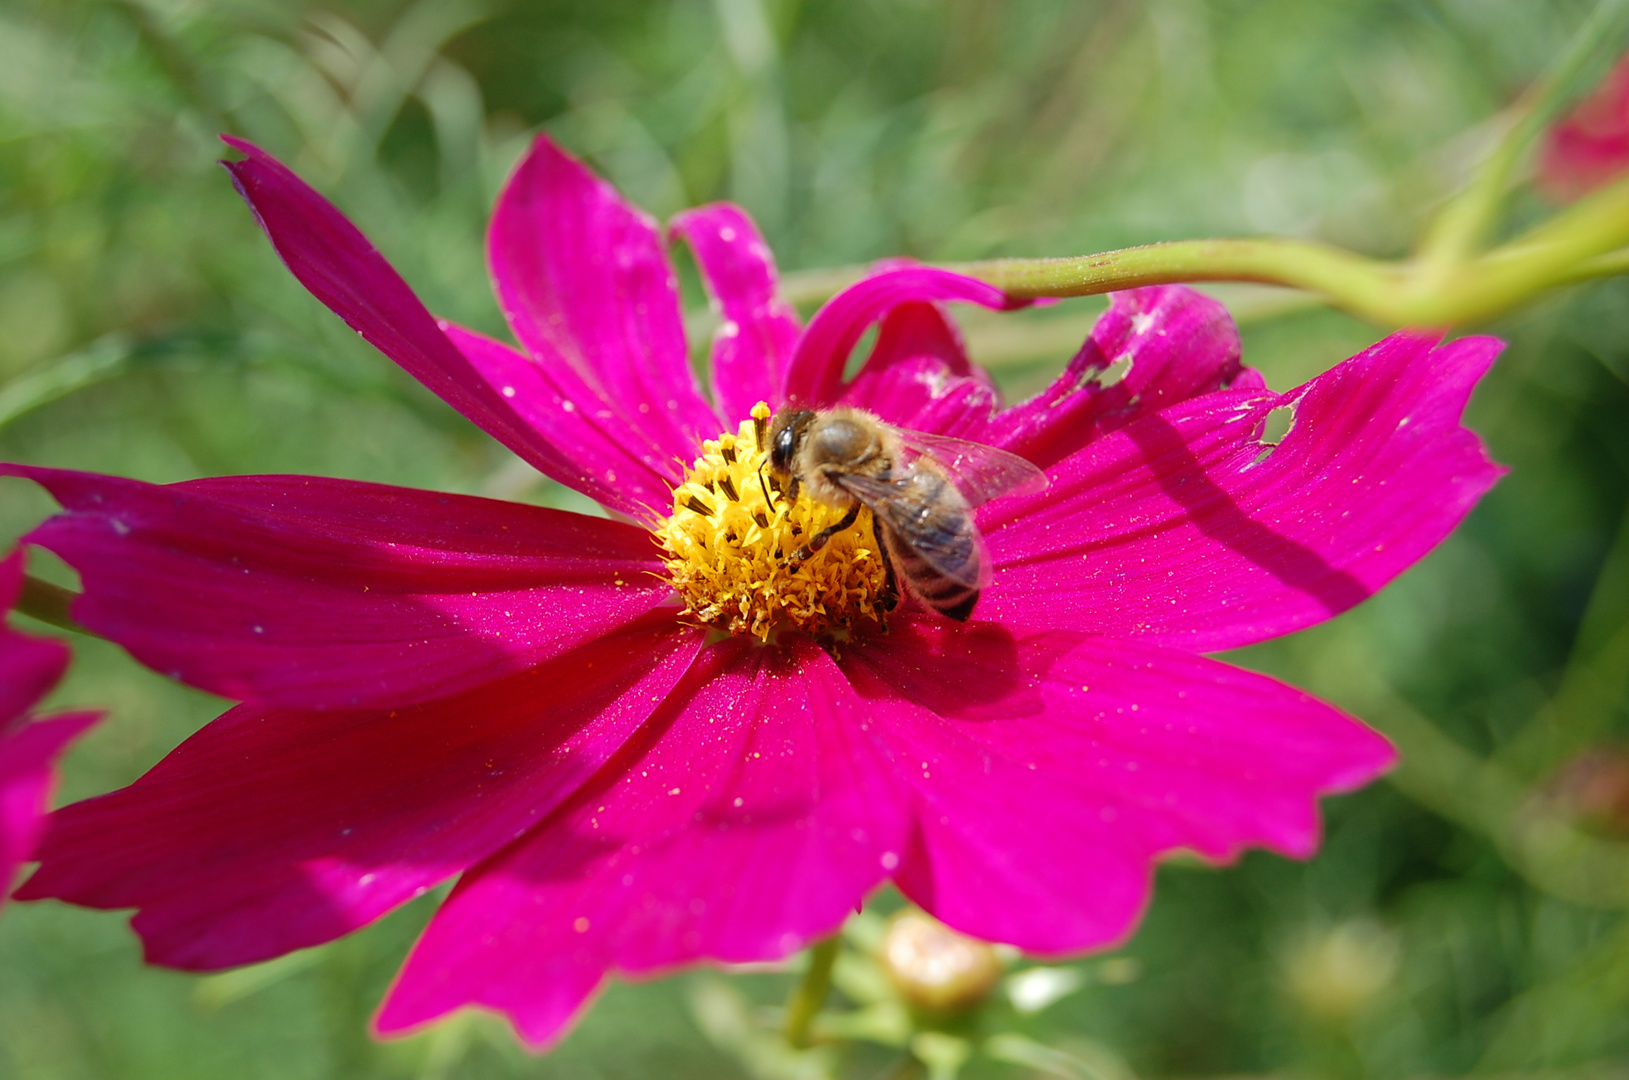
(1052, 770)
(744, 820)
(331, 257)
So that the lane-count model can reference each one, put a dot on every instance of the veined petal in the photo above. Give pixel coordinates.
(306, 592)
(1186, 529)
(272, 830)
(332, 259)
(814, 379)
(754, 342)
(1049, 769)
(28, 754)
(747, 817)
(619, 465)
(585, 282)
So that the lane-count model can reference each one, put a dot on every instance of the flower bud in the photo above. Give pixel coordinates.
(935, 968)
(1336, 975)
(1591, 790)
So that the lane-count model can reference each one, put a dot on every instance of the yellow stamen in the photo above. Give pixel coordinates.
(732, 539)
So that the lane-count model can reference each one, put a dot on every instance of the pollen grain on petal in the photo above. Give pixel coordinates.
(732, 537)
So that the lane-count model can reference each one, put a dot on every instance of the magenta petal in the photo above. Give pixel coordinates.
(920, 328)
(336, 263)
(29, 666)
(305, 592)
(585, 282)
(754, 343)
(617, 464)
(747, 817)
(269, 831)
(918, 376)
(1166, 344)
(1049, 769)
(27, 755)
(814, 378)
(1184, 528)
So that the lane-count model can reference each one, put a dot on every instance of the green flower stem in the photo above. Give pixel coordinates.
(1589, 239)
(1450, 282)
(1608, 265)
(1592, 226)
(1461, 225)
(1444, 286)
(1364, 285)
(1478, 793)
(810, 994)
(49, 604)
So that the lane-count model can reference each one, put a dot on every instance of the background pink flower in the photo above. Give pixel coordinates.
(1590, 146)
(29, 746)
(437, 685)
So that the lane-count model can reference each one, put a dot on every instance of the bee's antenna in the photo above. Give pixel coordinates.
(769, 500)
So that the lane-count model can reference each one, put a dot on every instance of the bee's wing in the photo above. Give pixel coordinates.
(980, 472)
(958, 554)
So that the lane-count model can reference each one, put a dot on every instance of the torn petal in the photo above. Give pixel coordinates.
(1151, 349)
(1186, 528)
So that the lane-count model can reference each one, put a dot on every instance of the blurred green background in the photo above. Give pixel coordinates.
(1464, 917)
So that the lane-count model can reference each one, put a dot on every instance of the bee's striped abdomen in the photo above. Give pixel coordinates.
(942, 594)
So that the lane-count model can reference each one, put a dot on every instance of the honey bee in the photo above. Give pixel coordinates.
(920, 488)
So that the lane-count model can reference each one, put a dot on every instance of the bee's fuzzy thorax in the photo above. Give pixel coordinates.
(862, 442)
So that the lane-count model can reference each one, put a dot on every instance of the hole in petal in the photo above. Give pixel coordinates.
(1105, 377)
(858, 355)
(1114, 373)
(1278, 424)
(1273, 430)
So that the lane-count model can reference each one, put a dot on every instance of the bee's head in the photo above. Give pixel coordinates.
(784, 433)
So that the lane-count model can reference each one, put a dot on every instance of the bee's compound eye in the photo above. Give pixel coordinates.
(780, 455)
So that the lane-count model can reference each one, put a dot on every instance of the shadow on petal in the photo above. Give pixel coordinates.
(1220, 517)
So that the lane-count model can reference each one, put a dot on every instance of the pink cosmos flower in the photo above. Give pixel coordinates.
(29, 747)
(1590, 146)
(437, 685)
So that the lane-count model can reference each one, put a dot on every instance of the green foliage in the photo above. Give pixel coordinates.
(1455, 922)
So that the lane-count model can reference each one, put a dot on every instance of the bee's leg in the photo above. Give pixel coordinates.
(889, 599)
(818, 540)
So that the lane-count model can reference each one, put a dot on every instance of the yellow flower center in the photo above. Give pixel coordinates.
(735, 548)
